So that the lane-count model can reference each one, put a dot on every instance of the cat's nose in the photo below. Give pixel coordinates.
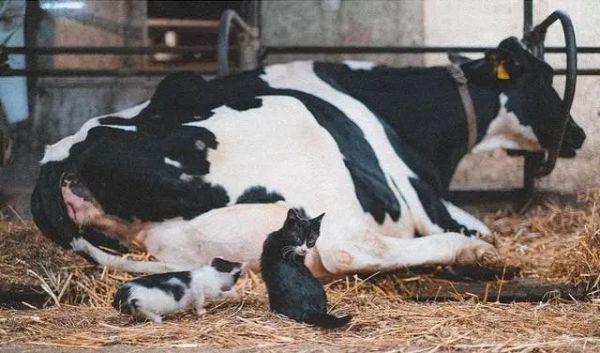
(302, 250)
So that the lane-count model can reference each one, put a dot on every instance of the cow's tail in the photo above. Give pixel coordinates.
(330, 321)
(103, 258)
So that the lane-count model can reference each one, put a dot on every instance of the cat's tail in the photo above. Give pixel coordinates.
(330, 321)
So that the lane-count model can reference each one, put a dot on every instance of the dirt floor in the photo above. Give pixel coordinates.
(551, 254)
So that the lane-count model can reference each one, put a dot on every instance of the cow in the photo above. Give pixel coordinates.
(209, 168)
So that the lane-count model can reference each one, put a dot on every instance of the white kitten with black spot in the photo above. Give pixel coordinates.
(155, 295)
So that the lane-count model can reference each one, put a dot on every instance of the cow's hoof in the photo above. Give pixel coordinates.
(488, 238)
(477, 252)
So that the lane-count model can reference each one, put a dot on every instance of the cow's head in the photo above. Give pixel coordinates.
(529, 114)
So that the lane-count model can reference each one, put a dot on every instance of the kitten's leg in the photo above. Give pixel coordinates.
(199, 302)
(232, 294)
(105, 259)
(149, 315)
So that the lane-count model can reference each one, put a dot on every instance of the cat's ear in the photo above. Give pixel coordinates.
(315, 223)
(223, 265)
(292, 213)
(292, 217)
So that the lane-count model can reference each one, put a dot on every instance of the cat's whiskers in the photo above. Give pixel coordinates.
(288, 249)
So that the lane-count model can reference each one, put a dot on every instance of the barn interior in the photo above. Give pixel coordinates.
(544, 296)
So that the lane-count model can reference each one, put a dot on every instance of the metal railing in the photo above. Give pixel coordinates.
(248, 39)
(535, 41)
(252, 54)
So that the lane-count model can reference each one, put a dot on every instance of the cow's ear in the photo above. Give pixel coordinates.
(457, 59)
(504, 65)
(508, 60)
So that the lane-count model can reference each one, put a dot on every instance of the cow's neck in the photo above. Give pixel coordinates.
(423, 106)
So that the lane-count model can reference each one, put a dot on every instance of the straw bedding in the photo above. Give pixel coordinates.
(550, 241)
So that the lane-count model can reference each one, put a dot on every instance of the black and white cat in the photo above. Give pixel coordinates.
(158, 294)
(293, 290)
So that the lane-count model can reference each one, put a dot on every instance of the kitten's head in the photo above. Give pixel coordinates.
(300, 233)
(227, 271)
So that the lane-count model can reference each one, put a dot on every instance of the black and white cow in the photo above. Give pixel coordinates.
(207, 169)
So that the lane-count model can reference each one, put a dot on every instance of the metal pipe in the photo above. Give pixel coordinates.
(94, 73)
(527, 16)
(33, 51)
(270, 50)
(536, 39)
(128, 73)
(227, 18)
(107, 50)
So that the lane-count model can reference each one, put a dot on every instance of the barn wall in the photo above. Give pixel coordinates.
(489, 22)
(371, 23)
(62, 105)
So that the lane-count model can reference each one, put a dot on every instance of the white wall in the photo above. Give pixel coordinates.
(355, 22)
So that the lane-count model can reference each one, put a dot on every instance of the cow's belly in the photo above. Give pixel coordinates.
(235, 233)
(288, 152)
(281, 147)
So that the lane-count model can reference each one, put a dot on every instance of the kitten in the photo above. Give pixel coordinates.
(154, 295)
(293, 290)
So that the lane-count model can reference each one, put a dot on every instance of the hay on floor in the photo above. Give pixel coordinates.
(550, 241)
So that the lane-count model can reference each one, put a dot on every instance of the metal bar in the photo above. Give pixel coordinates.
(579, 72)
(227, 18)
(94, 73)
(86, 72)
(107, 50)
(535, 39)
(270, 50)
(527, 16)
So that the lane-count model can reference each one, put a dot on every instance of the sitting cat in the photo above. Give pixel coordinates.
(154, 295)
(293, 290)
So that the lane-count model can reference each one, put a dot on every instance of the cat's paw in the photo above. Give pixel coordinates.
(230, 294)
(79, 245)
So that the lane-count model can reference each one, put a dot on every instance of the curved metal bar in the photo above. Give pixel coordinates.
(535, 41)
(228, 17)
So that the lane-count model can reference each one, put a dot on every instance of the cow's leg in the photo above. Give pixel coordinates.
(435, 215)
(345, 251)
(465, 219)
(120, 263)
(235, 232)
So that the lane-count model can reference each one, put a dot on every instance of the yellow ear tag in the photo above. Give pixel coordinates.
(501, 72)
